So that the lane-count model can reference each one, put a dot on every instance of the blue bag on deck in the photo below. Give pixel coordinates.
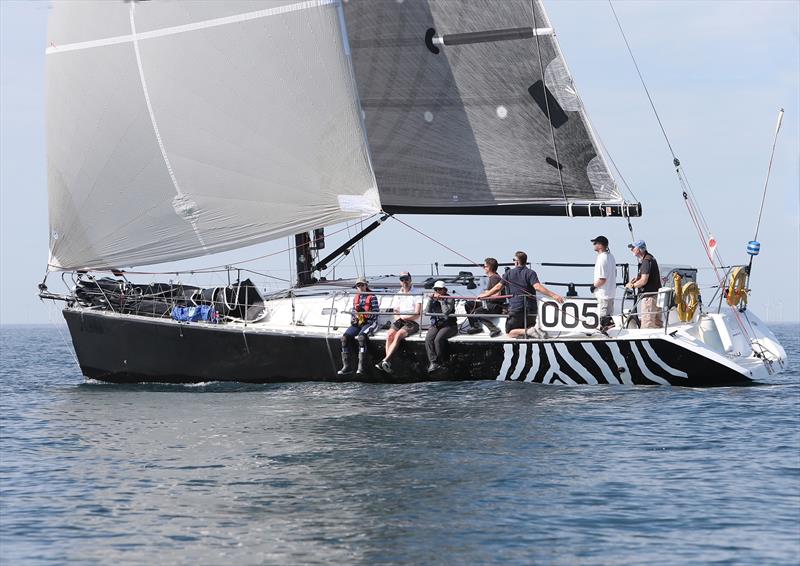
(202, 313)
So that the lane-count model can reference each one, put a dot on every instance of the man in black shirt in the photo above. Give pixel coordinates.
(494, 287)
(648, 280)
(522, 283)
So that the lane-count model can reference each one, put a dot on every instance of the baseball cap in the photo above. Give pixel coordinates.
(439, 285)
(362, 280)
(600, 240)
(638, 244)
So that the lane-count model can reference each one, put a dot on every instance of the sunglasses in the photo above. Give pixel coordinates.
(405, 278)
(361, 284)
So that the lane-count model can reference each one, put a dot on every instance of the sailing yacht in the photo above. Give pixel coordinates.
(184, 129)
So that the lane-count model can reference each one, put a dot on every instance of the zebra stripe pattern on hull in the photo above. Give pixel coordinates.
(588, 362)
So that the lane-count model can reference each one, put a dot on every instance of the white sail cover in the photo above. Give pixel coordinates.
(182, 128)
(482, 117)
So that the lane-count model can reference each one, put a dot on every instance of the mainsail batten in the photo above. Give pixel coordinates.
(251, 132)
(469, 109)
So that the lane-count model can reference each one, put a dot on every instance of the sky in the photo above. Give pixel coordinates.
(718, 72)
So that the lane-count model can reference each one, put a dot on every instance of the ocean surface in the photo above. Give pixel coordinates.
(434, 473)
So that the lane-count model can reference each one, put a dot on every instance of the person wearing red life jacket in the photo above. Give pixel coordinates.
(363, 323)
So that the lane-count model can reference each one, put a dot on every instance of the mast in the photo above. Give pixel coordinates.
(303, 259)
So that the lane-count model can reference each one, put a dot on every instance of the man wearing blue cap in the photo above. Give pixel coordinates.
(648, 281)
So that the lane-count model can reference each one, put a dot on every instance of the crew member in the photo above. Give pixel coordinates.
(604, 286)
(522, 283)
(363, 323)
(493, 287)
(648, 281)
(443, 326)
(407, 309)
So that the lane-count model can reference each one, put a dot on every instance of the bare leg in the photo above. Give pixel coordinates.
(392, 348)
(390, 337)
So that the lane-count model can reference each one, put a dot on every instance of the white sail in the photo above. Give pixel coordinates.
(177, 129)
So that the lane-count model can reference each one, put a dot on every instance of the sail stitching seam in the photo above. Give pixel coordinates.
(172, 176)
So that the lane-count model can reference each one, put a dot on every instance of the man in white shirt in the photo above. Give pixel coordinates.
(407, 308)
(604, 286)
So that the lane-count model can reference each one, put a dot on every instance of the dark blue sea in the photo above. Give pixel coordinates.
(438, 473)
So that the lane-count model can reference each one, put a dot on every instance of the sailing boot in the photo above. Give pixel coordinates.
(347, 363)
(362, 362)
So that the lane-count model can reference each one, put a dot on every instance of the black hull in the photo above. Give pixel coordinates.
(127, 349)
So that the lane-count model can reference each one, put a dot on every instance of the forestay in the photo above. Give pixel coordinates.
(469, 108)
(177, 129)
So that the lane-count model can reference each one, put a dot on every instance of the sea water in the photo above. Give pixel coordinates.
(477, 472)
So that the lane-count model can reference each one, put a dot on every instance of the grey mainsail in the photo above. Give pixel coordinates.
(469, 108)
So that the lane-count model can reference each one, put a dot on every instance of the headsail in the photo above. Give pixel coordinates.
(469, 108)
(177, 129)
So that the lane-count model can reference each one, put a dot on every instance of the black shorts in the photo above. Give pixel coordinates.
(410, 326)
(517, 320)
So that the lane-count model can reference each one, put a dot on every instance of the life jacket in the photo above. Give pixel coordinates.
(361, 318)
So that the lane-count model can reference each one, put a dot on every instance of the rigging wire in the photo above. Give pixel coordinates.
(690, 200)
(641, 78)
(434, 240)
(523, 291)
(597, 141)
(684, 181)
(593, 132)
(547, 107)
(355, 255)
(617, 169)
(362, 246)
(226, 267)
(608, 154)
(337, 262)
(682, 178)
(266, 275)
(61, 334)
(289, 243)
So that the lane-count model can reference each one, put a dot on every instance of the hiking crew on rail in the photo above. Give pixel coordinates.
(522, 283)
(363, 324)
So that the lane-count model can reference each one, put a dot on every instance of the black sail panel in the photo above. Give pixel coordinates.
(469, 108)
